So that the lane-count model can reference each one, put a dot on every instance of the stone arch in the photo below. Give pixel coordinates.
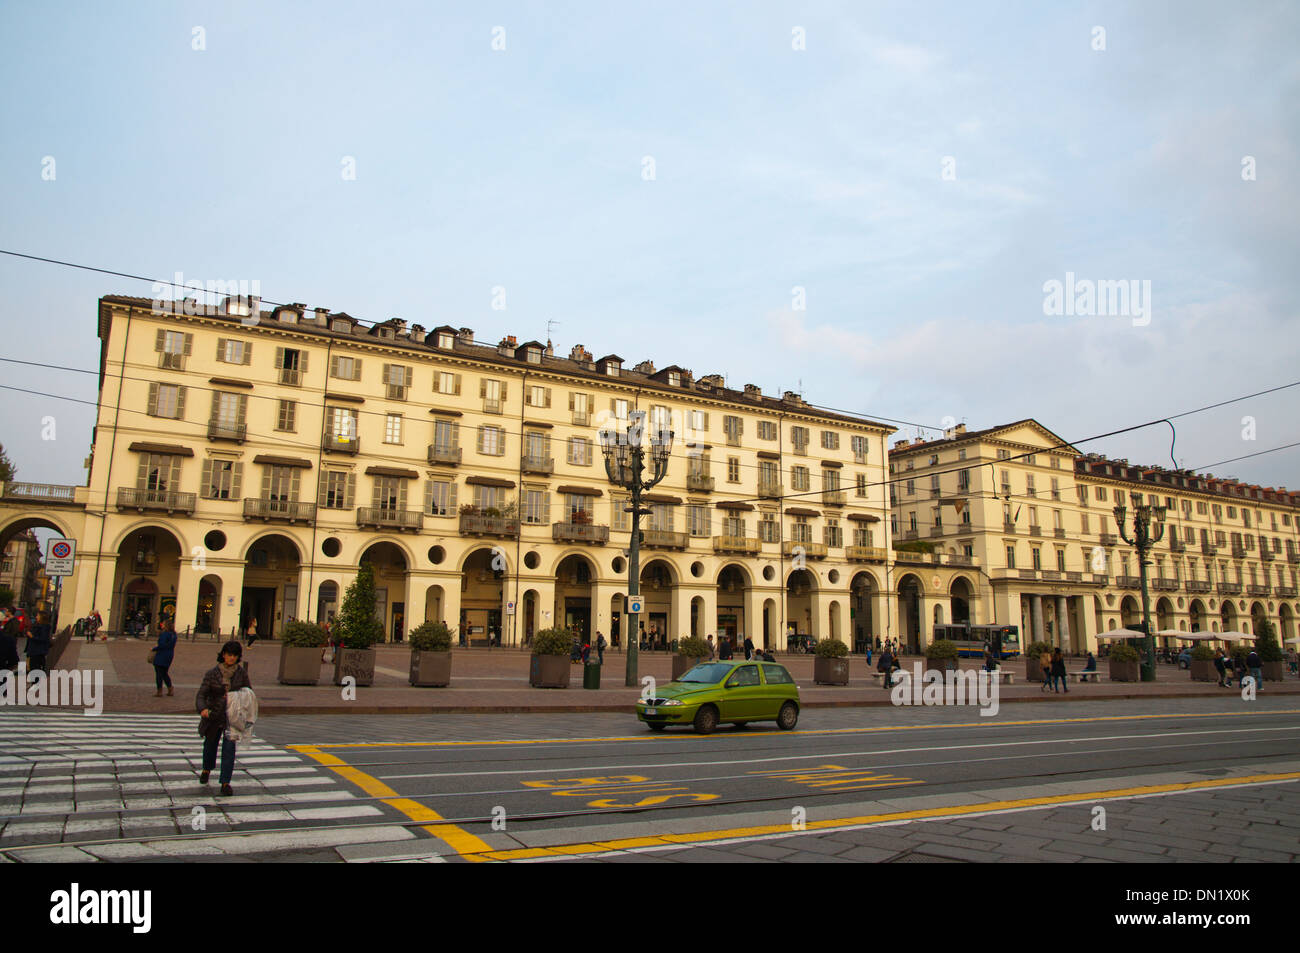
(575, 594)
(961, 595)
(569, 553)
(911, 615)
(16, 522)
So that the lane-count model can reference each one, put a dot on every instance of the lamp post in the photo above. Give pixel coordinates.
(624, 462)
(1145, 537)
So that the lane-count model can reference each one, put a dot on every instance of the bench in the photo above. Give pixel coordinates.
(1084, 675)
(1006, 677)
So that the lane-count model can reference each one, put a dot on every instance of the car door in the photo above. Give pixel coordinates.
(778, 688)
(743, 690)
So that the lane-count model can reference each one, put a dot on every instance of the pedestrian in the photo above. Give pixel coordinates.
(251, 632)
(724, 648)
(1221, 667)
(1238, 668)
(989, 663)
(886, 665)
(868, 652)
(163, 653)
(749, 648)
(94, 622)
(1045, 663)
(1058, 670)
(1256, 666)
(600, 647)
(227, 676)
(8, 651)
(1293, 661)
(712, 651)
(38, 645)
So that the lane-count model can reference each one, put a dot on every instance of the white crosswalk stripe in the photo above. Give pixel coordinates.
(66, 780)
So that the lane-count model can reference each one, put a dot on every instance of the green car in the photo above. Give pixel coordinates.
(714, 692)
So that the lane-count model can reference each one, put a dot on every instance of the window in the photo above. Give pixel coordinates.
(167, 400)
(831, 481)
(1056, 487)
(1007, 519)
(345, 368)
(580, 405)
(342, 424)
(859, 445)
(1101, 494)
(799, 438)
(285, 415)
(862, 536)
(1056, 463)
(963, 481)
(577, 507)
(537, 507)
(493, 394)
(338, 488)
(697, 421)
(1030, 490)
(799, 479)
(801, 531)
(620, 408)
(447, 383)
(1030, 459)
(860, 484)
(911, 522)
(537, 449)
(580, 451)
(389, 494)
(619, 518)
(934, 485)
(1037, 555)
(768, 530)
(540, 396)
(661, 517)
(446, 436)
(439, 498)
(221, 479)
(961, 454)
(733, 427)
(767, 430)
(173, 347)
(489, 497)
(660, 418)
(392, 428)
(228, 413)
(1083, 524)
(491, 441)
(830, 440)
(1011, 554)
(1060, 560)
(697, 522)
(158, 475)
(397, 381)
(934, 459)
(1004, 454)
(230, 351)
(834, 534)
(911, 488)
(280, 484)
(733, 469)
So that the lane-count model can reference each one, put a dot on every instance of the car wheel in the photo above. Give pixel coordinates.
(653, 727)
(706, 720)
(788, 716)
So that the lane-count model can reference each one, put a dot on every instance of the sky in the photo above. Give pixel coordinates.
(866, 203)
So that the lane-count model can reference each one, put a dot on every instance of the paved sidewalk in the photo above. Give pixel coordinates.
(496, 680)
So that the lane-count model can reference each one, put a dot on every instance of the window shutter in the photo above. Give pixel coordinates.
(613, 405)
(279, 357)
(205, 479)
(189, 342)
(350, 497)
(236, 480)
(180, 403)
(243, 409)
(504, 389)
(482, 388)
(451, 498)
(571, 402)
(546, 446)
(160, 340)
(480, 439)
(302, 363)
(457, 384)
(548, 397)
(153, 399)
(221, 349)
(295, 481)
(455, 434)
(248, 352)
(266, 482)
(401, 494)
(409, 376)
(388, 373)
(334, 366)
(428, 497)
(322, 484)
(142, 472)
(356, 369)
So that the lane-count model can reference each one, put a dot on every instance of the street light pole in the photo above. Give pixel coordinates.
(624, 461)
(1144, 540)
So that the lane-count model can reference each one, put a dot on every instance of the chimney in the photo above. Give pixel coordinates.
(753, 392)
(578, 353)
(322, 315)
(713, 380)
(645, 367)
(958, 430)
(790, 397)
(466, 336)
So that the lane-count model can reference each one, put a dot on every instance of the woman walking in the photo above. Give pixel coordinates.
(227, 676)
(163, 653)
(252, 631)
(1045, 663)
(38, 644)
(1058, 670)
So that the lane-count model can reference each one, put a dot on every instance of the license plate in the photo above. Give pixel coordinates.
(650, 711)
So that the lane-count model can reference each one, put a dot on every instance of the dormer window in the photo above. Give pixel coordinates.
(533, 355)
(612, 369)
(342, 325)
(447, 340)
(288, 316)
(674, 379)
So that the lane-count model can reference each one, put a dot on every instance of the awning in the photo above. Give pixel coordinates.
(172, 448)
(579, 490)
(491, 481)
(769, 455)
(734, 505)
(1120, 634)
(229, 382)
(346, 398)
(801, 511)
(394, 472)
(660, 498)
(861, 517)
(282, 461)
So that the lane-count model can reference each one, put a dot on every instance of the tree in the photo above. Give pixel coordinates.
(356, 624)
(7, 470)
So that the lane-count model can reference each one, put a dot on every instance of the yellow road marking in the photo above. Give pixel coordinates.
(751, 734)
(671, 840)
(461, 841)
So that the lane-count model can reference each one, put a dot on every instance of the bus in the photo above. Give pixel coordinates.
(972, 640)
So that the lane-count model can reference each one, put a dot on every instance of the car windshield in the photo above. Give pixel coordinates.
(706, 674)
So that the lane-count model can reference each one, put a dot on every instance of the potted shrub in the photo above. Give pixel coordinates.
(1033, 652)
(431, 655)
(300, 653)
(1270, 653)
(1202, 667)
(358, 630)
(830, 662)
(941, 655)
(549, 665)
(690, 652)
(1124, 663)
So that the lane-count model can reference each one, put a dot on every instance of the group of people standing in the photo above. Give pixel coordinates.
(13, 626)
(1235, 666)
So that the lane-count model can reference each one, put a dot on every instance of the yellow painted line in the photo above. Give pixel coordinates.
(984, 807)
(821, 731)
(460, 840)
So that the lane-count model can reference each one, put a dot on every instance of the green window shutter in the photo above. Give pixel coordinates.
(205, 479)
(180, 403)
(236, 480)
(153, 399)
(349, 499)
(160, 341)
(189, 343)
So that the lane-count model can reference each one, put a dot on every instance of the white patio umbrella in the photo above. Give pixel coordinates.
(1121, 634)
(1237, 637)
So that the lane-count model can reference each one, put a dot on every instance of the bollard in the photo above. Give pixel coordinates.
(591, 674)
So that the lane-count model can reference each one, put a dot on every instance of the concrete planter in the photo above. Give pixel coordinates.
(831, 671)
(1273, 671)
(1125, 671)
(1204, 671)
(683, 664)
(941, 665)
(358, 663)
(1033, 671)
(430, 669)
(548, 671)
(299, 666)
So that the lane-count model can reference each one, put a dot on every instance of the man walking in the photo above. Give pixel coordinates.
(886, 665)
(600, 647)
(1256, 666)
(749, 649)
(1221, 667)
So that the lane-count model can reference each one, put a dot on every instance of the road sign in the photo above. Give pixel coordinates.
(510, 608)
(634, 605)
(58, 561)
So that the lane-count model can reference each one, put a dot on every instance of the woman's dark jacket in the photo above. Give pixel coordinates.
(212, 695)
(165, 650)
(1058, 665)
(38, 642)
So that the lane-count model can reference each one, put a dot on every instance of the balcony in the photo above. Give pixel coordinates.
(1059, 533)
(1027, 573)
(477, 524)
(1229, 588)
(1176, 546)
(1008, 526)
(1072, 576)
(1266, 554)
(492, 405)
(663, 539)
(338, 443)
(910, 534)
(1100, 578)
(291, 376)
(280, 510)
(236, 433)
(699, 482)
(443, 454)
(749, 545)
(1128, 582)
(131, 499)
(936, 531)
(1209, 549)
(1006, 489)
(1197, 585)
(1258, 590)
(532, 464)
(579, 533)
(39, 493)
(812, 550)
(770, 490)
(1035, 530)
(1050, 575)
(834, 497)
(1293, 558)
(1238, 551)
(1165, 584)
(906, 556)
(1109, 539)
(1284, 592)
(864, 554)
(383, 518)
(961, 559)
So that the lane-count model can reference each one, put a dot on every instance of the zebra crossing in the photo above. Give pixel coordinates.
(125, 787)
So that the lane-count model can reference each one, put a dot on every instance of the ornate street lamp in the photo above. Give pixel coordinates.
(1145, 537)
(624, 462)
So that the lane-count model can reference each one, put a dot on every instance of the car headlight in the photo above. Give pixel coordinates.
(669, 701)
